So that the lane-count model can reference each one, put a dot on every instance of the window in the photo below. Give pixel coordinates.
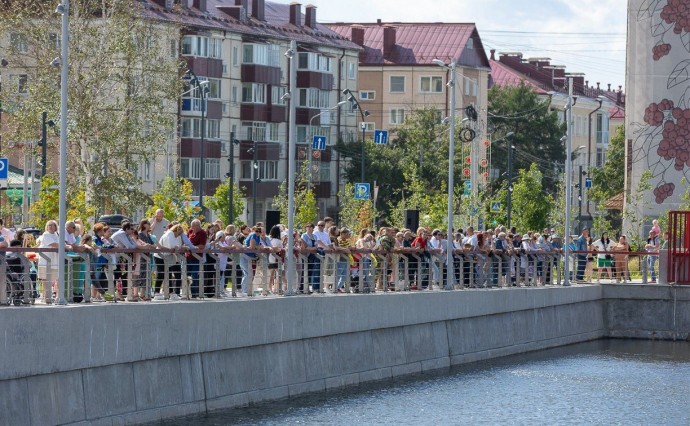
(277, 93)
(147, 171)
(470, 43)
(19, 42)
(204, 47)
(253, 130)
(324, 171)
(313, 98)
(397, 116)
(235, 56)
(261, 54)
(470, 86)
(22, 80)
(191, 128)
(273, 134)
(212, 129)
(351, 70)
(253, 93)
(601, 156)
(264, 170)
(431, 84)
(213, 88)
(369, 126)
(305, 133)
(212, 169)
(190, 168)
(312, 61)
(233, 97)
(367, 95)
(602, 128)
(397, 83)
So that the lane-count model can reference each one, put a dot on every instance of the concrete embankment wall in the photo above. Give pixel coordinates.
(135, 363)
(647, 311)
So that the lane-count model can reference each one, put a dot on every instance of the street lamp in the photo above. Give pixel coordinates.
(363, 113)
(310, 145)
(203, 91)
(599, 99)
(292, 137)
(231, 176)
(450, 273)
(509, 203)
(3, 64)
(568, 178)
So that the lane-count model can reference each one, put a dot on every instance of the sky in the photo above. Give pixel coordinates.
(587, 36)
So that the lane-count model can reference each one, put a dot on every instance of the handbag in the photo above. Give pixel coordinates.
(608, 257)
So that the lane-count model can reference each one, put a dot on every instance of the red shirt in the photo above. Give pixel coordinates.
(420, 242)
(197, 238)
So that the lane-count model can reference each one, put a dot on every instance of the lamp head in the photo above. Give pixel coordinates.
(509, 134)
(286, 96)
(60, 9)
(564, 138)
(366, 113)
(290, 54)
(56, 62)
(439, 62)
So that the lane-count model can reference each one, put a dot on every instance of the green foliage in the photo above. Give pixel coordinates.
(174, 197)
(636, 202)
(608, 180)
(306, 209)
(530, 202)
(123, 91)
(219, 202)
(537, 131)
(47, 206)
(431, 203)
(355, 214)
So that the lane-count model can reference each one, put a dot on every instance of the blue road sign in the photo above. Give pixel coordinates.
(588, 183)
(495, 206)
(381, 137)
(319, 142)
(362, 191)
(468, 188)
(4, 167)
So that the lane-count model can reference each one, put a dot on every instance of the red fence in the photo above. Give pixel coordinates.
(679, 247)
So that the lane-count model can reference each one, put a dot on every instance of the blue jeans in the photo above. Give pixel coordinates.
(245, 266)
(651, 265)
(314, 271)
(341, 268)
(193, 271)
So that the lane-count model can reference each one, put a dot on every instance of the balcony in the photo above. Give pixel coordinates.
(260, 74)
(318, 80)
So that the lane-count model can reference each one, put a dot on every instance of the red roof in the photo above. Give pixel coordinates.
(276, 25)
(503, 75)
(418, 43)
(616, 113)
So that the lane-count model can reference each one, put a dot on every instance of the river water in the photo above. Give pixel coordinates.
(606, 382)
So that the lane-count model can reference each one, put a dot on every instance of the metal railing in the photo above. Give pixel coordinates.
(183, 274)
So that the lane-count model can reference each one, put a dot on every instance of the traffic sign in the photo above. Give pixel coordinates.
(362, 191)
(318, 142)
(467, 188)
(495, 206)
(588, 183)
(4, 167)
(381, 137)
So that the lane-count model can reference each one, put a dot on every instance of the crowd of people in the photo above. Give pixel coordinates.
(497, 257)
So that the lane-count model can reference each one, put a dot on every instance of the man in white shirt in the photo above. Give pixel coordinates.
(6, 233)
(470, 238)
(323, 240)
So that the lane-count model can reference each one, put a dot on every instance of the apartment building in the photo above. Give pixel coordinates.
(397, 73)
(235, 52)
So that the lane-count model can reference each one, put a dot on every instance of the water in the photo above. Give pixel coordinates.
(607, 382)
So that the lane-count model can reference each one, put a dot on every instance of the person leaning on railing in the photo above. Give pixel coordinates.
(171, 239)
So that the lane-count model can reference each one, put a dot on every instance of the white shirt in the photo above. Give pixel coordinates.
(471, 239)
(600, 246)
(168, 240)
(322, 237)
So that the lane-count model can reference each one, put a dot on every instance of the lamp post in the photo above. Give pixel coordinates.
(292, 137)
(599, 99)
(63, 9)
(362, 113)
(578, 185)
(202, 90)
(568, 180)
(255, 178)
(450, 273)
(231, 176)
(310, 145)
(509, 201)
(3, 64)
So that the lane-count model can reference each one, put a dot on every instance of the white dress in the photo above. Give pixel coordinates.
(46, 240)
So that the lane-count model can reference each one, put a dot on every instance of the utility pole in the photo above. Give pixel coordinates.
(231, 176)
(255, 179)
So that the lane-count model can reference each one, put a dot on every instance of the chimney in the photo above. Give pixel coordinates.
(310, 16)
(587, 84)
(598, 84)
(237, 12)
(243, 3)
(259, 10)
(609, 87)
(296, 14)
(200, 4)
(619, 95)
(357, 34)
(493, 54)
(388, 39)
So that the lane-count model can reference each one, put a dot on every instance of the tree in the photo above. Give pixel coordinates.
(46, 207)
(637, 202)
(530, 202)
(123, 90)
(174, 197)
(354, 214)
(607, 181)
(220, 205)
(536, 131)
(304, 201)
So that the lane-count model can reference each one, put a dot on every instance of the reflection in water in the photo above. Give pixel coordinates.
(601, 382)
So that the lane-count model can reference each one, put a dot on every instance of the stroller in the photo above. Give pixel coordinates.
(17, 280)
